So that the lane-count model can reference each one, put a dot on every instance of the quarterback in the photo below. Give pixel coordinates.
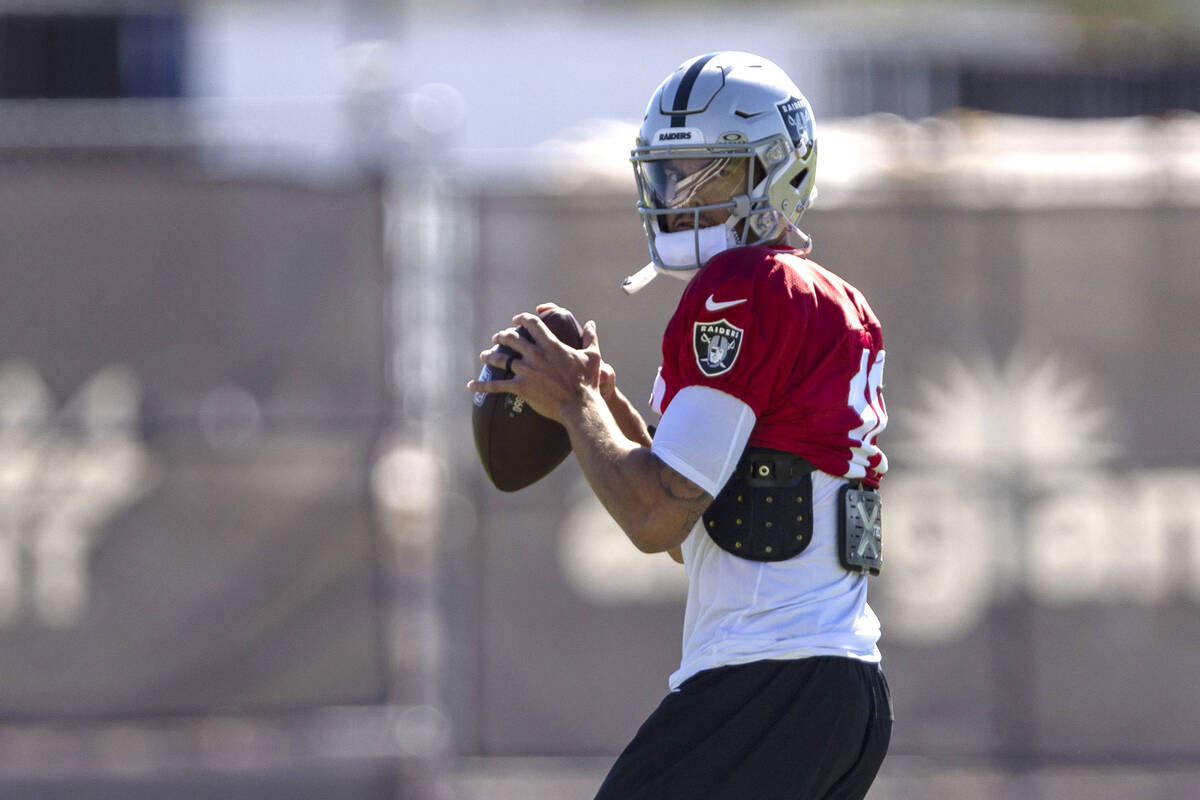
(762, 477)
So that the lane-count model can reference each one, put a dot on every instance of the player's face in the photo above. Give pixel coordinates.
(691, 183)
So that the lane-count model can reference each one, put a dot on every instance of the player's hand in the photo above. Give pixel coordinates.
(550, 376)
(608, 376)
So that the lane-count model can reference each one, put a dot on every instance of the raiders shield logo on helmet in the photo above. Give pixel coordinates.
(797, 118)
(716, 345)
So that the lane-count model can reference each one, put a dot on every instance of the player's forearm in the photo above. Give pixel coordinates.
(627, 417)
(628, 479)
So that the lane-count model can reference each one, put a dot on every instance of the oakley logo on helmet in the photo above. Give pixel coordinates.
(797, 118)
(679, 135)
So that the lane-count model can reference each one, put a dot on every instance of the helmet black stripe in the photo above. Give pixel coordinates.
(683, 93)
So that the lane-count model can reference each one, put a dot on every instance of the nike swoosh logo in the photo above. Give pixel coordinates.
(711, 303)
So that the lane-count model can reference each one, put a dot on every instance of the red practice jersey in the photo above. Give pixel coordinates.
(793, 341)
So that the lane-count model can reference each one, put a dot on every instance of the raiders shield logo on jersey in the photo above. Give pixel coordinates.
(716, 345)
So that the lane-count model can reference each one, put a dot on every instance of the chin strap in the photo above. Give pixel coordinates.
(805, 242)
(804, 245)
(640, 279)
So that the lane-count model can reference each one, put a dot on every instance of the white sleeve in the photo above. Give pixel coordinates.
(702, 435)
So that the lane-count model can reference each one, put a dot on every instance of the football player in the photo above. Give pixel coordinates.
(762, 475)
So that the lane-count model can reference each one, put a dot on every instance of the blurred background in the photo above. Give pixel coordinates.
(249, 250)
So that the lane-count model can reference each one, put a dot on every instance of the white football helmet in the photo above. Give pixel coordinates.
(726, 156)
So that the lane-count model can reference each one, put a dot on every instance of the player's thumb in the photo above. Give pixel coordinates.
(590, 337)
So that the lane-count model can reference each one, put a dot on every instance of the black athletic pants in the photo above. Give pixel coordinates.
(806, 729)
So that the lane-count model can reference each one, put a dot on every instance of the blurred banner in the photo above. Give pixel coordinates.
(1037, 283)
(191, 390)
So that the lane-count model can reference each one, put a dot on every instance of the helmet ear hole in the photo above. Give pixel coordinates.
(799, 179)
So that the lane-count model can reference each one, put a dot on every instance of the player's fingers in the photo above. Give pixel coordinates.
(510, 337)
(491, 379)
(490, 387)
(486, 356)
(537, 329)
(501, 358)
(497, 355)
(546, 306)
(503, 332)
(483, 354)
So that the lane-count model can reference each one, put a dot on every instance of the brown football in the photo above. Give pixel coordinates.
(518, 446)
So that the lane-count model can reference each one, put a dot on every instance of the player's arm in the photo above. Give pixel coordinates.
(629, 420)
(654, 504)
(695, 450)
(656, 496)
